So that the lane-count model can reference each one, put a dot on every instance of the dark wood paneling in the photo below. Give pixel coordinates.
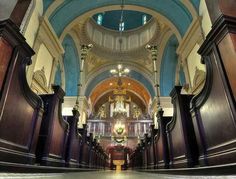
(213, 110)
(54, 131)
(5, 56)
(84, 154)
(74, 140)
(151, 148)
(20, 109)
(227, 51)
(182, 143)
(161, 145)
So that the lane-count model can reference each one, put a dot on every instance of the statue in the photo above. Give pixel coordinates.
(102, 112)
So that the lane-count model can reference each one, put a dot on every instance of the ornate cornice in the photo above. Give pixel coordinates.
(49, 37)
(135, 53)
(193, 35)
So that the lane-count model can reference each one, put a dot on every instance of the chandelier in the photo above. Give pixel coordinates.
(119, 71)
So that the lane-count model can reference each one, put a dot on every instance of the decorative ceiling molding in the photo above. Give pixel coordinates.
(107, 65)
(190, 8)
(104, 69)
(114, 53)
(53, 7)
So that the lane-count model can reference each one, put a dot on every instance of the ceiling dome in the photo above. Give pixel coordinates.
(131, 19)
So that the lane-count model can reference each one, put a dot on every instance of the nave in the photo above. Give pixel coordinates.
(79, 93)
(108, 175)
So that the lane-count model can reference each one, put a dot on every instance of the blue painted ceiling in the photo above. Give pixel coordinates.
(131, 19)
(173, 10)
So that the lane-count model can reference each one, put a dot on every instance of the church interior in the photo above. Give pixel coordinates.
(117, 88)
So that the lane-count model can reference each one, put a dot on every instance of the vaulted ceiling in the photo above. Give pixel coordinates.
(172, 18)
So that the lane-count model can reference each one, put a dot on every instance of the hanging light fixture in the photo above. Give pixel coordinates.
(120, 70)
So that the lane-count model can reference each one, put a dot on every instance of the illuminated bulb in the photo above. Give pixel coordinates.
(113, 71)
(148, 46)
(126, 70)
(90, 45)
(119, 66)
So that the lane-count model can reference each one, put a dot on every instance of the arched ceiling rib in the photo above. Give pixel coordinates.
(129, 84)
(136, 76)
(134, 98)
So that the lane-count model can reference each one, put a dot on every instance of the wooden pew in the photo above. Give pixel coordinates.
(54, 131)
(183, 149)
(105, 158)
(74, 140)
(92, 152)
(99, 160)
(151, 149)
(143, 154)
(161, 145)
(96, 154)
(139, 157)
(146, 151)
(84, 154)
(147, 148)
(214, 108)
(132, 159)
(20, 109)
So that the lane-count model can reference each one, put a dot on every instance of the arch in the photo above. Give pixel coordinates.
(129, 84)
(106, 74)
(173, 10)
(71, 66)
(168, 66)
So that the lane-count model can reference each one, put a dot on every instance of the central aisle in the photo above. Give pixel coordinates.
(105, 175)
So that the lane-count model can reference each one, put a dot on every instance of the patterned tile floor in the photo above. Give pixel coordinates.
(106, 175)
